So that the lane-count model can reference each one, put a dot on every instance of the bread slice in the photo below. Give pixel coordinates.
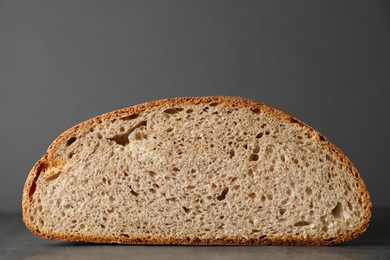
(207, 170)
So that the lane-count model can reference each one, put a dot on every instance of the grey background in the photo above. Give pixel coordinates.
(62, 62)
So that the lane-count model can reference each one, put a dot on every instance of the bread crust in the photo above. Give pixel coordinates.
(50, 160)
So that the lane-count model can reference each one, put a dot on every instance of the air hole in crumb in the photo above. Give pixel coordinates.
(293, 120)
(129, 117)
(253, 157)
(322, 138)
(301, 224)
(121, 129)
(186, 210)
(175, 169)
(282, 158)
(111, 199)
(338, 210)
(169, 129)
(263, 198)
(308, 191)
(53, 177)
(99, 135)
(231, 152)
(152, 173)
(102, 226)
(269, 196)
(256, 149)
(122, 139)
(152, 191)
(259, 135)
(71, 141)
(133, 192)
(189, 111)
(138, 136)
(70, 155)
(125, 235)
(256, 110)
(223, 194)
(171, 199)
(267, 132)
(282, 211)
(172, 110)
(252, 195)
(214, 104)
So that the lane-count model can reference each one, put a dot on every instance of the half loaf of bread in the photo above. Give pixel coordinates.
(207, 170)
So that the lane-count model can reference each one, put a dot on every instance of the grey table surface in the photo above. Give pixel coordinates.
(16, 242)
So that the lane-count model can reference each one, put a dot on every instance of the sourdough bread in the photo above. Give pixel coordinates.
(207, 170)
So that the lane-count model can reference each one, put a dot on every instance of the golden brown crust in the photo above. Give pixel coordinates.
(29, 188)
(50, 159)
(196, 241)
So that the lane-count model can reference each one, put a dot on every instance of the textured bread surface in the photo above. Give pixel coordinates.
(208, 170)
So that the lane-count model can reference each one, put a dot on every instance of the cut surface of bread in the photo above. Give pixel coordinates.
(207, 170)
